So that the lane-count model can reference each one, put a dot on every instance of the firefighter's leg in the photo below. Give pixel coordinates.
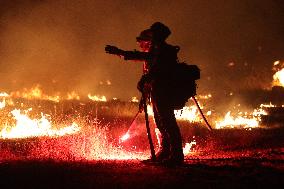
(164, 148)
(171, 129)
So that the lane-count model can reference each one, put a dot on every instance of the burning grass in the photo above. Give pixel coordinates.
(100, 126)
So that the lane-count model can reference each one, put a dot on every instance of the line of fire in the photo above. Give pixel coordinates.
(38, 126)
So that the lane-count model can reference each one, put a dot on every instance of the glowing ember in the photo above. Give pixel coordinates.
(204, 96)
(270, 105)
(26, 127)
(97, 98)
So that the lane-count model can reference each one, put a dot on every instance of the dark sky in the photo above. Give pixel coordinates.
(60, 44)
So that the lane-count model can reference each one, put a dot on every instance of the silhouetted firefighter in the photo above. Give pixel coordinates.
(166, 83)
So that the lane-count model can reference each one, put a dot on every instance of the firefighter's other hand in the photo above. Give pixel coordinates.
(113, 50)
(143, 82)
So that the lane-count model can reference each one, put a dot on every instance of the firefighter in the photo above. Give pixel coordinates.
(159, 60)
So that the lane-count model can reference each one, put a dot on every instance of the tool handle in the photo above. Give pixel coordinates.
(153, 156)
(204, 118)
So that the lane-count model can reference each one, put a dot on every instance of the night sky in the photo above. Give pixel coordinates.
(60, 44)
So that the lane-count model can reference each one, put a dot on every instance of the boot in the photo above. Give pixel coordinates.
(176, 158)
(162, 155)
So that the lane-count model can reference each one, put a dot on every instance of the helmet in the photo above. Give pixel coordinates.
(145, 35)
(160, 31)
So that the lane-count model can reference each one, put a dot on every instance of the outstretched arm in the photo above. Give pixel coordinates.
(128, 55)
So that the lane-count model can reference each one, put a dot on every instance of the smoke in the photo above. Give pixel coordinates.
(60, 44)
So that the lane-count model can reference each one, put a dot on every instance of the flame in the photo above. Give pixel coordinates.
(188, 113)
(26, 127)
(34, 93)
(134, 99)
(3, 104)
(4, 94)
(189, 147)
(208, 96)
(230, 121)
(251, 120)
(278, 77)
(97, 98)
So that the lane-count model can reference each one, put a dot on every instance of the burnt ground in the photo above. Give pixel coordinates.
(195, 173)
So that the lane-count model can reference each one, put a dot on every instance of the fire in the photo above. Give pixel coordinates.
(134, 99)
(243, 120)
(26, 127)
(231, 122)
(278, 77)
(73, 96)
(97, 98)
(34, 93)
(208, 96)
(187, 113)
(3, 104)
(189, 147)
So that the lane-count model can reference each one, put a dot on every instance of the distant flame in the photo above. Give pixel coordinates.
(245, 121)
(34, 93)
(97, 98)
(278, 77)
(134, 99)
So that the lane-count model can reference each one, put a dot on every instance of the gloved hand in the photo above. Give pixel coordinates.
(113, 50)
(144, 84)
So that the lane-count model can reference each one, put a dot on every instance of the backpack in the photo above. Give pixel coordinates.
(183, 84)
